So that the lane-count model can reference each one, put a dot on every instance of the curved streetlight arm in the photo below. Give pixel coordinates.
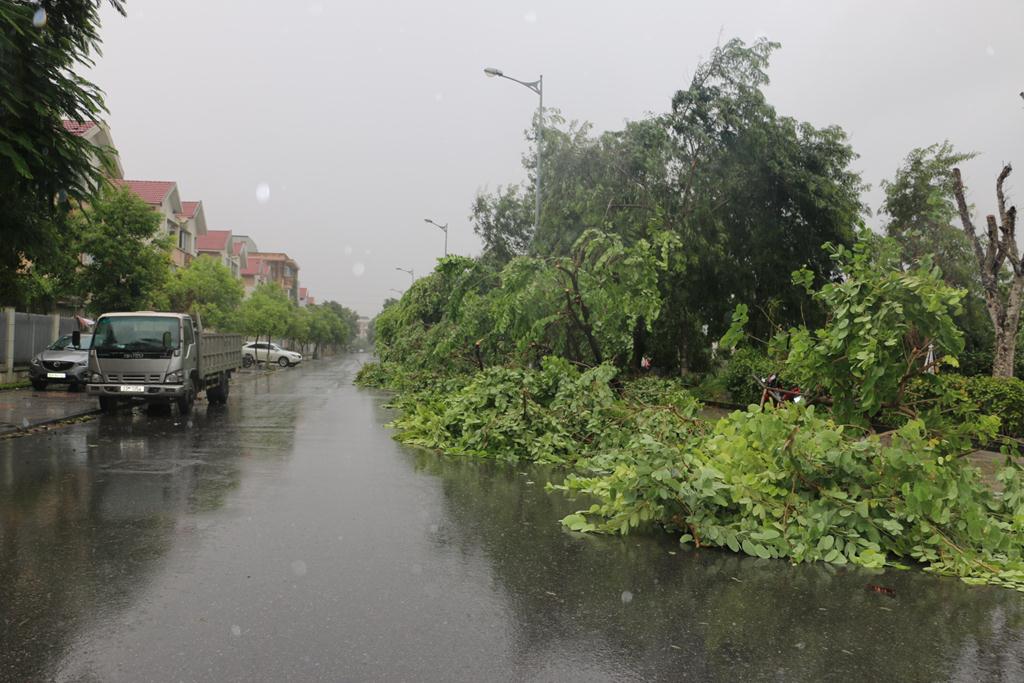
(444, 229)
(536, 86)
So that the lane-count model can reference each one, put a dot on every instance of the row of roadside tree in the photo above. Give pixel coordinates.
(72, 237)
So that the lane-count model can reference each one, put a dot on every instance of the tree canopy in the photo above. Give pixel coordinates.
(127, 258)
(750, 195)
(207, 287)
(44, 168)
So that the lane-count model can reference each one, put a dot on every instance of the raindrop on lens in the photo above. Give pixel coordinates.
(299, 568)
(236, 630)
(39, 18)
(263, 193)
(358, 269)
(627, 597)
(530, 17)
(348, 250)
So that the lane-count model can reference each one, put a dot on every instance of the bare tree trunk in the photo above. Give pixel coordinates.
(1006, 336)
(1000, 247)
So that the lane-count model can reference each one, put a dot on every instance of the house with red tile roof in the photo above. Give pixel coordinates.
(304, 298)
(221, 245)
(183, 221)
(194, 216)
(98, 133)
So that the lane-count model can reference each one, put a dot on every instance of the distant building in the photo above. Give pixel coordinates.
(240, 251)
(362, 326)
(250, 244)
(254, 273)
(304, 298)
(281, 269)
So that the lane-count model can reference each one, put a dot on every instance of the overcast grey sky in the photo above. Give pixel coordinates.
(363, 118)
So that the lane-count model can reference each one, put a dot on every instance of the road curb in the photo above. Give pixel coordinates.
(18, 429)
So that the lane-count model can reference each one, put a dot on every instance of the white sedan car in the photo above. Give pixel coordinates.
(262, 352)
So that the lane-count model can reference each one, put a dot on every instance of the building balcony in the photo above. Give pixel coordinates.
(180, 258)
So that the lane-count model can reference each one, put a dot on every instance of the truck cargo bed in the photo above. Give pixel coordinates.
(219, 353)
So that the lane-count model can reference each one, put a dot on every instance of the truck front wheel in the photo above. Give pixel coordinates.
(186, 402)
(108, 405)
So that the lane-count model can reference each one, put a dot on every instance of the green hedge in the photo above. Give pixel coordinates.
(999, 396)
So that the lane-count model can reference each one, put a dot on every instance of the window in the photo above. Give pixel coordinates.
(189, 336)
(136, 333)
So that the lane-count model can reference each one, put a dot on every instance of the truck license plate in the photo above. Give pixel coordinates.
(132, 389)
(56, 375)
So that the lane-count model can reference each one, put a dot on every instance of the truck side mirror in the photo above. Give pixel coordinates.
(166, 339)
(76, 339)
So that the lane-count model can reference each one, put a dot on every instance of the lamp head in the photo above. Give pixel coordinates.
(492, 72)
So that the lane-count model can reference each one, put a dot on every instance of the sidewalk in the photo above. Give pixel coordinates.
(22, 409)
(25, 408)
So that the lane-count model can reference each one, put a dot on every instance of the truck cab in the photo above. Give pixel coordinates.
(157, 358)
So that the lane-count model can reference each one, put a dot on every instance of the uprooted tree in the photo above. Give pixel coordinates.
(1004, 291)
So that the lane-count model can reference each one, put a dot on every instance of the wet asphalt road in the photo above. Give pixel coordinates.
(288, 537)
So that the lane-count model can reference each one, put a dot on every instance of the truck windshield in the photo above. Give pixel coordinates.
(136, 333)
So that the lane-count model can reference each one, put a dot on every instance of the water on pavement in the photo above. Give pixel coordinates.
(286, 536)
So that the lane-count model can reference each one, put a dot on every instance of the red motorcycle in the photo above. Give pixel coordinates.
(773, 391)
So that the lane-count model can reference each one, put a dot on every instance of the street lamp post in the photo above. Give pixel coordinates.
(536, 86)
(444, 229)
(399, 292)
(408, 270)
